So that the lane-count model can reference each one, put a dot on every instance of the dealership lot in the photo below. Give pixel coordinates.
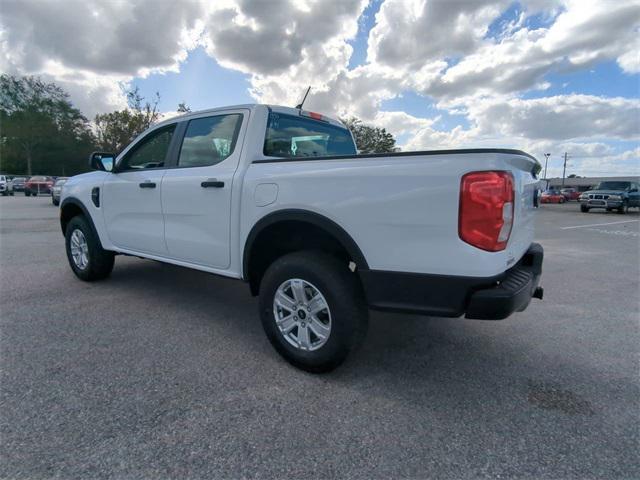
(165, 372)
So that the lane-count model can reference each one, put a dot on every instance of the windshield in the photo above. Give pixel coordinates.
(290, 136)
(61, 182)
(614, 186)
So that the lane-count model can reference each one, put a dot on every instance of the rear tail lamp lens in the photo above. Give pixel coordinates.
(486, 209)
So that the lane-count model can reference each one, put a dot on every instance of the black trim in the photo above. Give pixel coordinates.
(212, 184)
(95, 196)
(399, 154)
(488, 298)
(302, 216)
(74, 201)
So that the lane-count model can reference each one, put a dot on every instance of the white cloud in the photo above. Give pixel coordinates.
(557, 118)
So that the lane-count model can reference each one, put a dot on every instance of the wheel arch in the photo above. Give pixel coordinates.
(72, 207)
(310, 222)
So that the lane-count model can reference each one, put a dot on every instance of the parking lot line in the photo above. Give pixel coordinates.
(600, 224)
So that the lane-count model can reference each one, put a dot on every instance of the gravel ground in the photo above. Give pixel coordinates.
(163, 372)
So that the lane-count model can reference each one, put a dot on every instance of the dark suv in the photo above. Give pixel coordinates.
(611, 195)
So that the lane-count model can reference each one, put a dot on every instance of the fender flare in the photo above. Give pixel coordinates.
(306, 216)
(74, 201)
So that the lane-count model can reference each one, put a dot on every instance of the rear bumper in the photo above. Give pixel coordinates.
(486, 298)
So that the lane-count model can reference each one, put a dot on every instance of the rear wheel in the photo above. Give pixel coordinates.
(313, 310)
(27, 193)
(584, 208)
(88, 260)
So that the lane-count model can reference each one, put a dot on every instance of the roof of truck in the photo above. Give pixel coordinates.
(247, 106)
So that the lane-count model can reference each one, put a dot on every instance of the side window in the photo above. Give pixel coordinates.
(209, 140)
(150, 152)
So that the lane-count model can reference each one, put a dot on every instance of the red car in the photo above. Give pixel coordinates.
(570, 193)
(38, 184)
(552, 196)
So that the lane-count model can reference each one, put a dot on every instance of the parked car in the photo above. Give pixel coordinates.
(57, 189)
(570, 194)
(6, 186)
(279, 198)
(18, 184)
(611, 195)
(552, 196)
(37, 185)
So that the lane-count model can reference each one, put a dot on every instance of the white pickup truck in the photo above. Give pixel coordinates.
(280, 198)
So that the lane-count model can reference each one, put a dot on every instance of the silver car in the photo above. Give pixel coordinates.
(57, 189)
(6, 186)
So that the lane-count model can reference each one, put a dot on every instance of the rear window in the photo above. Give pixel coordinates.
(290, 136)
(38, 179)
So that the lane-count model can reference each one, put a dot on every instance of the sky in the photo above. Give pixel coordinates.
(544, 76)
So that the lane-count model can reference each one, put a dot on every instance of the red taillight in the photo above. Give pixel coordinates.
(486, 209)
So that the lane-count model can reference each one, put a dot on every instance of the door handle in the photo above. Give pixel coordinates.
(147, 184)
(212, 183)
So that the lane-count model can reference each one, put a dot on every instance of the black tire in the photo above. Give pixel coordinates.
(100, 262)
(27, 194)
(584, 208)
(623, 209)
(55, 202)
(11, 194)
(344, 296)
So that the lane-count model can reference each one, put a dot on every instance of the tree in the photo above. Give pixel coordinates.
(115, 130)
(183, 108)
(39, 128)
(370, 139)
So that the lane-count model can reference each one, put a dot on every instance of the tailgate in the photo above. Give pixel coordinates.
(526, 187)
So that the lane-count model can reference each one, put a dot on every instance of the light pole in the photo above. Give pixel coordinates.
(546, 159)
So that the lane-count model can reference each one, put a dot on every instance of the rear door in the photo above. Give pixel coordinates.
(196, 192)
(131, 201)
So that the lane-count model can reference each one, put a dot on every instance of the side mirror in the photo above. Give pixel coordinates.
(102, 161)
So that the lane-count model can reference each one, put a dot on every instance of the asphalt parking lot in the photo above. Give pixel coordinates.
(165, 372)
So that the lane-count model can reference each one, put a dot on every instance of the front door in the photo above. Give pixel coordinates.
(196, 193)
(131, 198)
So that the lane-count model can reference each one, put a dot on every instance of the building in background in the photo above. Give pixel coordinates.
(583, 184)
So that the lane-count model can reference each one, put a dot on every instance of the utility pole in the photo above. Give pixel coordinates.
(564, 168)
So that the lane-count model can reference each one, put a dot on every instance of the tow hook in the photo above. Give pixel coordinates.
(538, 293)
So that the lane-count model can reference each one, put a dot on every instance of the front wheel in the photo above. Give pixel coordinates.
(313, 310)
(88, 260)
(584, 208)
